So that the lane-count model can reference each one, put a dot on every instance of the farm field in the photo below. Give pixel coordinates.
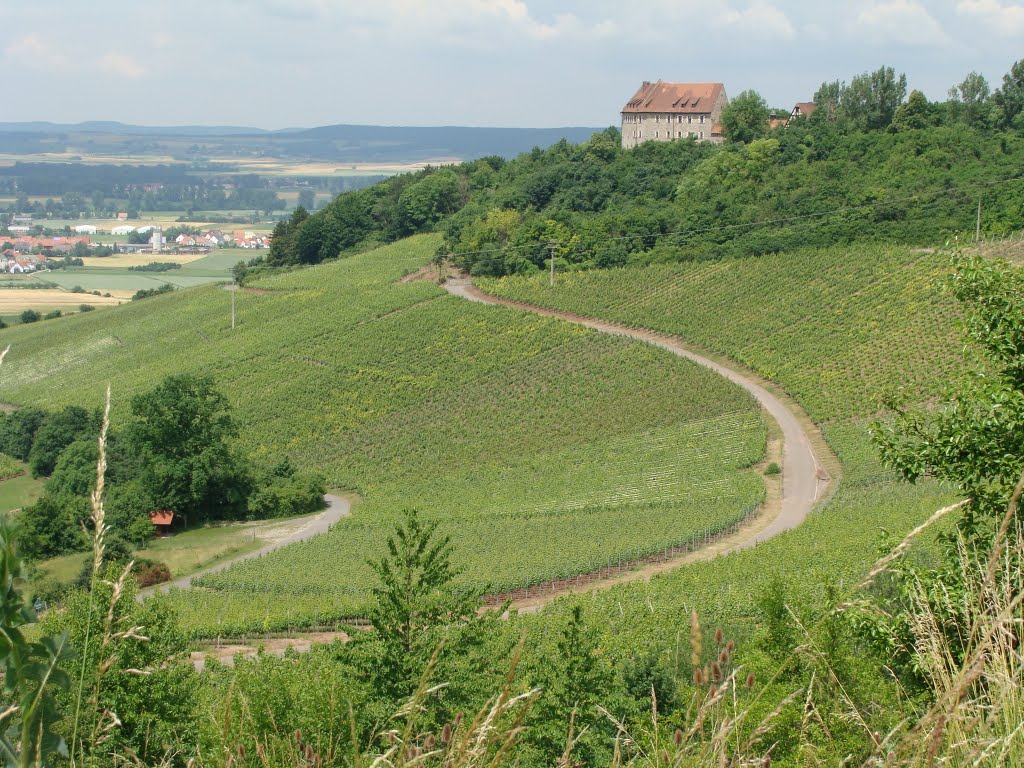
(125, 260)
(838, 329)
(189, 551)
(847, 327)
(20, 490)
(264, 166)
(111, 274)
(543, 449)
(15, 300)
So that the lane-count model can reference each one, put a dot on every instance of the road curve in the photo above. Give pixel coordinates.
(337, 508)
(804, 479)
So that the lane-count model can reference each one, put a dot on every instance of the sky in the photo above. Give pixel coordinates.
(526, 63)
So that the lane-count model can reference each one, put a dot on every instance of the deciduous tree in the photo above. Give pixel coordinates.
(745, 118)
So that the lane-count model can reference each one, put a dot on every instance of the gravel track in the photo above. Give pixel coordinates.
(337, 508)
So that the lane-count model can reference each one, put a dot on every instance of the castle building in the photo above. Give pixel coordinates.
(669, 111)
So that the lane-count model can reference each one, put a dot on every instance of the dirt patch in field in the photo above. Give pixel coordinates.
(427, 274)
(225, 653)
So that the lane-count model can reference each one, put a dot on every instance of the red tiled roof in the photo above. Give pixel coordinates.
(804, 108)
(685, 98)
(162, 517)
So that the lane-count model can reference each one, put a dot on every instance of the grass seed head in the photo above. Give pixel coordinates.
(696, 642)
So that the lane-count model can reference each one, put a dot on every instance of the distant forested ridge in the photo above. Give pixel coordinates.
(329, 143)
(872, 163)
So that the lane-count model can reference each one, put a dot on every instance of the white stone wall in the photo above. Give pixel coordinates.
(650, 126)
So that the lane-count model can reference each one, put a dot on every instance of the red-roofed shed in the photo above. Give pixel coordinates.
(162, 520)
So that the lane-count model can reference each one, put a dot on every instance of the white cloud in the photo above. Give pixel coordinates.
(1005, 19)
(33, 52)
(455, 21)
(759, 21)
(900, 21)
(120, 65)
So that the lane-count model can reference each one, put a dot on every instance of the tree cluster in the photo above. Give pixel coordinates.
(871, 163)
(175, 453)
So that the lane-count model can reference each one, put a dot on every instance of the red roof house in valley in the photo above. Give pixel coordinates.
(666, 111)
(162, 520)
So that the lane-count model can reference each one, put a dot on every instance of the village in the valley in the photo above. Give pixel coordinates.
(22, 252)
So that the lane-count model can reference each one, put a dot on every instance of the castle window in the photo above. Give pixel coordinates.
(702, 119)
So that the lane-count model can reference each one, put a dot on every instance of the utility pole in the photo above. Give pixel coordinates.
(551, 248)
(977, 227)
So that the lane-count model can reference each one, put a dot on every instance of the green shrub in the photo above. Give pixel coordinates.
(772, 469)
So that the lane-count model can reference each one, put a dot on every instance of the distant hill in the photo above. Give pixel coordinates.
(440, 141)
(121, 129)
(331, 143)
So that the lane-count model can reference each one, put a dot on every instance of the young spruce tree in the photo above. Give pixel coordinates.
(417, 605)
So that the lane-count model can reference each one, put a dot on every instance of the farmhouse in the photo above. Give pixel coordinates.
(667, 111)
(802, 109)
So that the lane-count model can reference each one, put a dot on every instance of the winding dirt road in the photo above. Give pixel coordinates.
(337, 508)
(804, 479)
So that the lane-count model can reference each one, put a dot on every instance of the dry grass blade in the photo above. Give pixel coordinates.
(97, 512)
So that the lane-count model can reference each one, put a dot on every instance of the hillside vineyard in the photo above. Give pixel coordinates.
(565, 450)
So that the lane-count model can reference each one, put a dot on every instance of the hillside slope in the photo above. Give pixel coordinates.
(838, 329)
(543, 449)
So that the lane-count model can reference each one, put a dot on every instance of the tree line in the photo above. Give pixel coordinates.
(871, 163)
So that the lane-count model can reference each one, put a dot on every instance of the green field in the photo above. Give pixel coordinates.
(838, 329)
(847, 327)
(212, 268)
(185, 552)
(19, 488)
(544, 449)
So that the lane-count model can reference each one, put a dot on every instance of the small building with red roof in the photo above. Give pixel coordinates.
(162, 520)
